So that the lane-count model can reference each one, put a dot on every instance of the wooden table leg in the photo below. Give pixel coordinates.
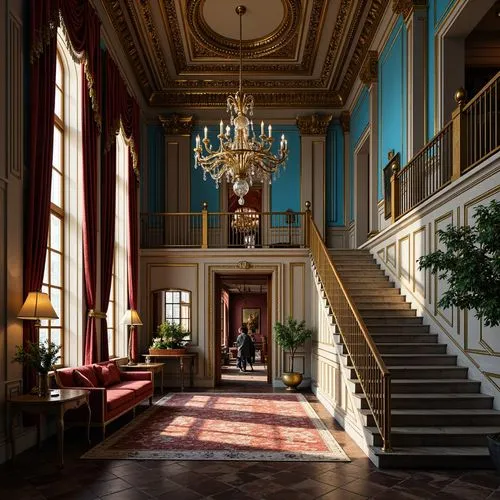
(191, 373)
(60, 436)
(161, 373)
(13, 416)
(181, 362)
(88, 423)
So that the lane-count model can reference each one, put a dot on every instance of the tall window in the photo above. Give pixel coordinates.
(53, 279)
(111, 316)
(178, 308)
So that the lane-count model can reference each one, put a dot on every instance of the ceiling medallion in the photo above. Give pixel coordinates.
(208, 39)
(245, 157)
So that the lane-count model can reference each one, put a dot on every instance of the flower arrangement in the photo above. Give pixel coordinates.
(39, 356)
(170, 335)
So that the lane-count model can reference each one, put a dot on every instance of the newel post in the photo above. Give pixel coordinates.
(204, 225)
(394, 192)
(307, 225)
(458, 135)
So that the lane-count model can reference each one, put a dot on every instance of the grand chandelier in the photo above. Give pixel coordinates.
(242, 158)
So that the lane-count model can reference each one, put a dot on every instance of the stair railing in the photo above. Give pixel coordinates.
(373, 375)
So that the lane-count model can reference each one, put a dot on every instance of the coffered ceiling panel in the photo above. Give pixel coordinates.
(296, 53)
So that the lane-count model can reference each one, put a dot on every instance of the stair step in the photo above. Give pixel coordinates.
(388, 292)
(432, 457)
(413, 359)
(404, 338)
(427, 386)
(374, 300)
(390, 320)
(433, 436)
(382, 305)
(397, 328)
(421, 401)
(347, 266)
(438, 417)
(368, 314)
(361, 272)
(367, 281)
(414, 348)
(428, 372)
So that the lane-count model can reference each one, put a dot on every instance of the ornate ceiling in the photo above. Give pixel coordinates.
(296, 53)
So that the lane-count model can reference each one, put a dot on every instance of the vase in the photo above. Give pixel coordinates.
(292, 380)
(167, 352)
(43, 385)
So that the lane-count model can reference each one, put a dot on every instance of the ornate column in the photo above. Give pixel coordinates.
(414, 13)
(369, 76)
(312, 160)
(177, 161)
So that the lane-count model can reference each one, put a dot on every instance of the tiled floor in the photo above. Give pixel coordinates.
(35, 474)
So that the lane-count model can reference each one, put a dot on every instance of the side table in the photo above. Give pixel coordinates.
(57, 403)
(154, 368)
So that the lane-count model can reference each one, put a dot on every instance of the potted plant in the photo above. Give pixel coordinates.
(470, 265)
(170, 339)
(41, 357)
(290, 336)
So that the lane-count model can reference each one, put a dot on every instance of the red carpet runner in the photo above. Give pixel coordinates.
(229, 426)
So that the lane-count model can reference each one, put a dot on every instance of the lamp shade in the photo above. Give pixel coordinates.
(131, 317)
(37, 306)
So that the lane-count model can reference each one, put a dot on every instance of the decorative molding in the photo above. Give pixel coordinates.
(176, 124)
(345, 121)
(369, 71)
(313, 124)
(243, 264)
(406, 7)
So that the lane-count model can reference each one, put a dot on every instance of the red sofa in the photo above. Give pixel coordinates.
(112, 392)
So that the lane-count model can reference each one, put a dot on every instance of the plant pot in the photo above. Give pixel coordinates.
(494, 447)
(167, 352)
(292, 380)
(43, 385)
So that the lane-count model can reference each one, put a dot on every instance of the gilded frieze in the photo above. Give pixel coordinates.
(406, 7)
(368, 73)
(314, 124)
(176, 124)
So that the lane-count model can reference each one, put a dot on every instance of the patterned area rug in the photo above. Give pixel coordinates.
(224, 426)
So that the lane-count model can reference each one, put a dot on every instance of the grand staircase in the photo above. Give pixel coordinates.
(439, 417)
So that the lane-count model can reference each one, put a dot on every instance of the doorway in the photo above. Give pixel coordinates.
(242, 298)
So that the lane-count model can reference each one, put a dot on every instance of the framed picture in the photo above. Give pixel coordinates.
(252, 319)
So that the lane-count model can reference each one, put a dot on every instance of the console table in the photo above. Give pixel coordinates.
(57, 403)
(154, 368)
(181, 357)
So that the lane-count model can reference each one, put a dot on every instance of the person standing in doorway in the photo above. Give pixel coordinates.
(244, 344)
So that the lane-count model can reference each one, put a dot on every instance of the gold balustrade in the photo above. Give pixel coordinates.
(373, 375)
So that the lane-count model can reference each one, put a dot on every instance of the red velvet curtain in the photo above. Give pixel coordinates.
(43, 23)
(111, 116)
(83, 30)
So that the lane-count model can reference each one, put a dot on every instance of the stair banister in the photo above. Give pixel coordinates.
(372, 373)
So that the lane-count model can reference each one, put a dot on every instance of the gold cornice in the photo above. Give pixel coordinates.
(370, 26)
(369, 72)
(320, 99)
(345, 121)
(406, 7)
(176, 124)
(314, 124)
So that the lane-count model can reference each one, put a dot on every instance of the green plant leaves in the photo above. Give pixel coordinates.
(291, 335)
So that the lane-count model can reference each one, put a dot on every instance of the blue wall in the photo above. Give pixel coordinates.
(392, 99)
(155, 198)
(203, 190)
(334, 188)
(437, 11)
(285, 191)
(358, 124)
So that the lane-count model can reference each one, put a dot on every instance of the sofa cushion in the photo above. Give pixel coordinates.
(88, 372)
(81, 380)
(118, 397)
(139, 387)
(108, 374)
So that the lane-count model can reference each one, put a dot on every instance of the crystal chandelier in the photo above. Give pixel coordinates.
(242, 157)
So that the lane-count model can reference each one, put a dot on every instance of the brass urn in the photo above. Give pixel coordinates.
(292, 380)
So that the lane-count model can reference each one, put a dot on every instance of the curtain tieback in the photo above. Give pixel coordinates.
(96, 314)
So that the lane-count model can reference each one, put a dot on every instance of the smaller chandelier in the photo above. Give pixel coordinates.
(242, 158)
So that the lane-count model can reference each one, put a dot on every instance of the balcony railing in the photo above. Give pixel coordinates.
(468, 139)
(223, 230)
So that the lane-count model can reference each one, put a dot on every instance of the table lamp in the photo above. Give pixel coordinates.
(131, 318)
(37, 306)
